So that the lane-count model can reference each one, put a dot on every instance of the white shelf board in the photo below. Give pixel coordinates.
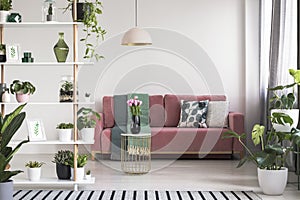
(37, 24)
(40, 64)
(50, 103)
(51, 142)
(53, 181)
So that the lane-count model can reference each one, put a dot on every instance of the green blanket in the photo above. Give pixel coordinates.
(122, 117)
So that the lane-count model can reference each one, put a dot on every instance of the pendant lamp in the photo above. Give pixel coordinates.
(136, 36)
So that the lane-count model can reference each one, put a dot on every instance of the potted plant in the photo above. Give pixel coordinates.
(87, 97)
(5, 7)
(86, 123)
(270, 160)
(34, 170)
(64, 131)
(88, 12)
(283, 101)
(23, 89)
(8, 127)
(88, 175)
(81, 162)
(61, 159)
(66, 92)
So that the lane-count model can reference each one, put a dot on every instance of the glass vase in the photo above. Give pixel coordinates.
(135, 126)
(61, 49)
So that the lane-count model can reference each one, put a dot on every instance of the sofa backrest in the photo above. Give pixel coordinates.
(172, 105)
(156, 106)
(164, 110)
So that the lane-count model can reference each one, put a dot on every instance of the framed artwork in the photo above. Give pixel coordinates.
(13, 53)
(36, 130)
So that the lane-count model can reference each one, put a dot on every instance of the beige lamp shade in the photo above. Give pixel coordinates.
(136, 37)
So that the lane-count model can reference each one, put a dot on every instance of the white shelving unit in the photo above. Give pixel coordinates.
(55, 181)
(75, 64)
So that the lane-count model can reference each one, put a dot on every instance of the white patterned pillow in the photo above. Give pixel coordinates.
(193, 114)
(217, 114)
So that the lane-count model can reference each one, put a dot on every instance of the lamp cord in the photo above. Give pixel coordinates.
(136, 12)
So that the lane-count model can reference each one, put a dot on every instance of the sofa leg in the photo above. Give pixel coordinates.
(93, 155)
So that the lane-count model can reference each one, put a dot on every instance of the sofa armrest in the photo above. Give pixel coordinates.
(99, 127)
(236, 124)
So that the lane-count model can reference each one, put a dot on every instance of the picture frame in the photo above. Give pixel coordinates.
(13, 53)
(36, 131)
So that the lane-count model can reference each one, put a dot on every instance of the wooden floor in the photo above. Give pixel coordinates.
(203, 175)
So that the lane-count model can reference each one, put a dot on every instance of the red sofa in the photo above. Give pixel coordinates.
(167, 139)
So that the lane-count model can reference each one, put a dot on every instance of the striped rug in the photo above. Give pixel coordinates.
(132, 195)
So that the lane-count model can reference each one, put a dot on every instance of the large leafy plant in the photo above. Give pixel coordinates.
(63, 157)
(86, 118)
(8, 127)
(273, 154)
(282, 97)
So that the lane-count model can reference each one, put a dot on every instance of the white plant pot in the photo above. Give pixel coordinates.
(65, 135)
(88, 177)
(34, 174)
(272, 182)
(293, 113)
(3, 15)
(79, 173)
(87, 134)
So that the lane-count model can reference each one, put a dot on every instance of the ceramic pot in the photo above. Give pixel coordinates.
(135, 126)
(34, 174)
(87, 134)
(3, 16)
(63, 171)
(79, 173)
(6, 190)
(64, 135)
(22, 98)
(272, 182)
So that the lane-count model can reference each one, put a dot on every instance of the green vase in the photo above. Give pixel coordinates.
(61, 49)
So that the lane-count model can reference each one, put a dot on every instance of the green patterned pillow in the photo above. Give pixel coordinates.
(193, 114)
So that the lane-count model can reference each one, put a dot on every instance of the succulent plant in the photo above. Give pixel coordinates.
(63, 157)
(34, 164)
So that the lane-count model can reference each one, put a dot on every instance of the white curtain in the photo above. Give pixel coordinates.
(278, 46)
(278, 50)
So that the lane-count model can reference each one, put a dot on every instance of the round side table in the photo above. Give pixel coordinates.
(136, 153)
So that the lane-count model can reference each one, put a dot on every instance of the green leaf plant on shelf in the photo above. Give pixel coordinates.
(9, 126)
(91, 12)
(86, 123)
(22, 89)
(5, 5)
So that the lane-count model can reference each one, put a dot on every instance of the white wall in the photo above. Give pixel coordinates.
(215, 29)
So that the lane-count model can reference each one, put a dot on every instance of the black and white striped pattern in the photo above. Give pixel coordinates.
(132, 195)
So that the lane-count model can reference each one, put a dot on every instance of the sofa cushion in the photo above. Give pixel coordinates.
(172, 105)
(193, 114)
(217, 114)
(157, 111)
(193, 140)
